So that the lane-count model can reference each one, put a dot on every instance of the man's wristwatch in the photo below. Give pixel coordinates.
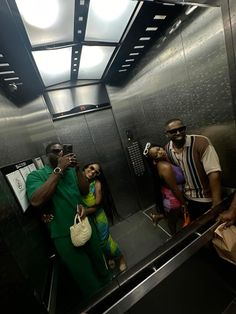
(58, 170)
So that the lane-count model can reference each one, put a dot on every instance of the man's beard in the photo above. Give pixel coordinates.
(179, 143)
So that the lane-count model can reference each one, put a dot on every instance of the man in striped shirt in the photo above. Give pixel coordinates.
(200, 164)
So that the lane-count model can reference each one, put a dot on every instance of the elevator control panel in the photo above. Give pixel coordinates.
(136, 158)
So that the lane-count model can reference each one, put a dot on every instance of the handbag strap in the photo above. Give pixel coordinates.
(77, 216)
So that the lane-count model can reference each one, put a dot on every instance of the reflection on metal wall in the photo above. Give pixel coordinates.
(95, 138)
(186, 77)
(223, 139)
(24, 131)
(75, 100)
(232, 5)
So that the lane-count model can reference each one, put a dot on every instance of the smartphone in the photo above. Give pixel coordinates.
(67, 149)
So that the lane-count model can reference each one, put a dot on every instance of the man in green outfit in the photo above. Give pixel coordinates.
(57, 190)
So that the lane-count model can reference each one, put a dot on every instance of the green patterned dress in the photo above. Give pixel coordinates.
(109, 246)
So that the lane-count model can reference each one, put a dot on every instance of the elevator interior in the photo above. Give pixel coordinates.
(190, 74)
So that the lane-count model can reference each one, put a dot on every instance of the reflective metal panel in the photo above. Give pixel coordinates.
(207, 70)
(24, 132)
(95, 138)
(185, 76)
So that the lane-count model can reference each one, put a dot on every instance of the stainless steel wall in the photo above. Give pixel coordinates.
(186, 77)
(95, 137)
(24, 261)
(232, 6)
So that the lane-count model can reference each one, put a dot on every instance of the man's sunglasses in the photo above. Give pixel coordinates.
(174, 131)
(96, 171)
(56, 150)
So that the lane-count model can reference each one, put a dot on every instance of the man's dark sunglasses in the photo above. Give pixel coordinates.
(174, 131)
(56, 150)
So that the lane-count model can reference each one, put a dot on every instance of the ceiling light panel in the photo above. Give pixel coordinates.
(47, 22)
(159, 17)
(12, 78)
(108, 19)
(54, 65)
(151, 29)
(6, 72)
(93, 61)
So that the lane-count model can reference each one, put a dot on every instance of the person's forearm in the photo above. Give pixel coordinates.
(215, 186)
(45, 192)
(232, 207)
(90, 210)
(82, 183)
(229, 216)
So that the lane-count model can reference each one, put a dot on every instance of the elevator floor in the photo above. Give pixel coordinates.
(137, 237)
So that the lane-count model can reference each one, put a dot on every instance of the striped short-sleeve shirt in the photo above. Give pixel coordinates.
(197, 159)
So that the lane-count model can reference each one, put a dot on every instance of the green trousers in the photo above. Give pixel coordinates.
(85, 264)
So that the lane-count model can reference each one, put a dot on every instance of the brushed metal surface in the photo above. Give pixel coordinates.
(23, 130)
(95, 138)
(232, 5)
(207, 69)
(187, 77)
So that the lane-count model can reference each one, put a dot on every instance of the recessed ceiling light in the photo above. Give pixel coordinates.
(75, 59)
(138, 47)
(122, 70)
(41, 14)
(1, 55)
(92, 56)
(81, 2)
(125, 65)
(134, 54)
(79, 31)
(109, 10)
(54, 65)
(80, 19)
(159, 17)
(175, 26)
(144, 38)
(7, 72)
(76, 51)
(75, 64)
(4, 64)
(190, 9)
(129, 60)
(11, 78)
(74, 70)
(151, 29)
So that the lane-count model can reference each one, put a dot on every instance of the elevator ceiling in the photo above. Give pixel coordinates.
(66, 43)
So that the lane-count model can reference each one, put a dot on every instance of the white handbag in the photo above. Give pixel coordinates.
(81, 231)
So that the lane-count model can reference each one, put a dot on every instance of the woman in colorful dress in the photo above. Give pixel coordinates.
(97, 203)
(169, 181)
